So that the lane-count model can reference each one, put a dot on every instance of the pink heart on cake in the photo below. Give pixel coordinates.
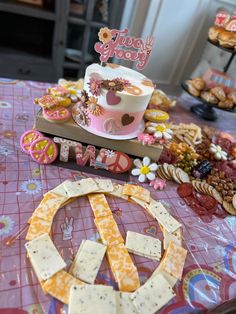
(112, 99)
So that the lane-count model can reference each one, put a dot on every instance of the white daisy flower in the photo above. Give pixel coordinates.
(31, 186)
(159, 130)
(5, 151)
(219, 154)
(6, 224)
(145, 169)
(109, 153)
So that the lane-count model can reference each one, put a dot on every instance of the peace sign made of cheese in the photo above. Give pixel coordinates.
(43, 150)
(57, 114)
(27, 138)
(49, 265)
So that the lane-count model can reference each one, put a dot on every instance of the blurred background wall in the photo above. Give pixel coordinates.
(47, 39)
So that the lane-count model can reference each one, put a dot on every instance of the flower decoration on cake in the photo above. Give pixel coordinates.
(115, 85)
(95, 86)
(158, 184)
(218, 152)
(145, 169)
(84, 96)
(80, 115)
(105, 35)
(146, 139)
(159, 130)
(93, 106)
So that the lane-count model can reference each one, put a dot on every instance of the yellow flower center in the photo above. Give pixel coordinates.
(145, 170)
(31, 186)
(160, 128)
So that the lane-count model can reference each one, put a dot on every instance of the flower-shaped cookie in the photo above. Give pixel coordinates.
(95, 86)
(145, 169)
(219, 154)
(93, 106)
(104, 35)
(159, 130)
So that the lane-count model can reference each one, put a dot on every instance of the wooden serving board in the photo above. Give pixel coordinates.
(70, 130)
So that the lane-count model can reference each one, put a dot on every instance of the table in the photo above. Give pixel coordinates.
(208, 283)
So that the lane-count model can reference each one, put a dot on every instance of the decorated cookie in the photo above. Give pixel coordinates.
(56, 114)
(27, 138)
(43, 150)
(50, 101)
(58, 91)
(155, 115)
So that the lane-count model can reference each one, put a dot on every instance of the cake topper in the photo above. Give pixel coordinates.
(116, 43)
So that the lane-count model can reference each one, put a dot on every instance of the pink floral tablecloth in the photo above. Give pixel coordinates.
(208, 282)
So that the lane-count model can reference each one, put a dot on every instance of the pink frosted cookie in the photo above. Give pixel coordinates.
(43, 150)
(27, 138)
(56, 114)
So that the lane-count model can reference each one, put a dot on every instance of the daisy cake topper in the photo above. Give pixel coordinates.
(117, 43)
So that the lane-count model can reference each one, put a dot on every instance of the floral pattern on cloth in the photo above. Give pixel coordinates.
(6, 225)
(208, 282)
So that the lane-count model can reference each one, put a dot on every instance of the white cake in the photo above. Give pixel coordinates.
(117, 100)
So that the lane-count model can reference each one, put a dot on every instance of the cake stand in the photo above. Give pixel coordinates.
(204, 109)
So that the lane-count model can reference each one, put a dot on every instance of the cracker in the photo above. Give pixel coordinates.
(182, 175)
(234, 201)
(229, 208)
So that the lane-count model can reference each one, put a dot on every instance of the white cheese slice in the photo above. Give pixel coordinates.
(143, 245)
(44, 257)
(118, 191)
(81, 187)
(60, 189)
(153, 295)
(124, 304)
(163, 217)
(92, 299)
(175, 237)
(88, 261)
(104, 185)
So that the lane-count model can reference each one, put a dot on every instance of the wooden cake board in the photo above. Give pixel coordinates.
(70, 130)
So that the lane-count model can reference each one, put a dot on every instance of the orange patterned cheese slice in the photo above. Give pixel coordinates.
(59, 285)
(49, 206)
(38, 226)
(108, 230)
(137, 191)
(99, 205)
(173, 261)
(123, 268)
